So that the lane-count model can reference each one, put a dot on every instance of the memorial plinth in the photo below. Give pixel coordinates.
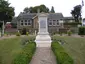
(43, 38)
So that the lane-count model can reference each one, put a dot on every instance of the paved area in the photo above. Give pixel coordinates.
(5, 37)
(43, 55)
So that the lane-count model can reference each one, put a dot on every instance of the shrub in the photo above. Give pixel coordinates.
(69, 33)
(27, 33)
(73, 23)
(25, 56)
(18, 34)
(24, 40)
(81, 31)
(61, 56)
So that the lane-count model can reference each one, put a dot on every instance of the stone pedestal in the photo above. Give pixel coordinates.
(43, 39)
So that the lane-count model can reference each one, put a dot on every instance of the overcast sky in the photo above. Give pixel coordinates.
(63, 6)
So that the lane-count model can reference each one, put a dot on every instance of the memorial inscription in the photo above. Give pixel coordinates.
(42, 24)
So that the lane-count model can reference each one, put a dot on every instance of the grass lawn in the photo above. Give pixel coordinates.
(75, 47)
(9, 48)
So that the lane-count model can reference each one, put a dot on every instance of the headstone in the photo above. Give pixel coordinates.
(43, 35)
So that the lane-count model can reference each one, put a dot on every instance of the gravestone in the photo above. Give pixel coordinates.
(43, 38)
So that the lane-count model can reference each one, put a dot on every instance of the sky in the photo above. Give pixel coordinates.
(60, 6)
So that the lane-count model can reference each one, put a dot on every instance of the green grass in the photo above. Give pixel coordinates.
(9, 48)
(25, 56)
(75, 47)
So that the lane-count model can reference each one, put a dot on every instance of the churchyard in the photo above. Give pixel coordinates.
(13, 49)
(73, 45)
(21, 49)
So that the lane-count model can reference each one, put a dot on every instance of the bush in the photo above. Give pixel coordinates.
(69, 33)
(27, 33)
(18, 34)
(25, 56)
(73, 23)
(61, 56)
(81, 31)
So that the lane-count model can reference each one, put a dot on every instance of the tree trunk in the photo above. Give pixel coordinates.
(2, 30)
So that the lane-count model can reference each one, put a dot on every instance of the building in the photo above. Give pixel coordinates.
(30, 22)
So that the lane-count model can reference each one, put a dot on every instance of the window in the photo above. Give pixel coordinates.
(57, 22)
(21, 22)
(29, 22)
(54, 22)
(50, 23)
(25, 22)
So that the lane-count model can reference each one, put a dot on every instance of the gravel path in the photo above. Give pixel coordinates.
(43, 55)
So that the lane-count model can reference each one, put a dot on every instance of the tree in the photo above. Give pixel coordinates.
(26, 10)
(76, 13)
(6, 12)
(35, 9)
(52, 10)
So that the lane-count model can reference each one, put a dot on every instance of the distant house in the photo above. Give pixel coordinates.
(56, 22)
(25, 20)
(30, 22)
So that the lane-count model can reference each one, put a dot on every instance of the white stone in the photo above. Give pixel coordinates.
(43, 39)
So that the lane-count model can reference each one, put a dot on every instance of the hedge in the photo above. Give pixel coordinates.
(61, 56)
(81, 31)
(25, 56)
(73, 23)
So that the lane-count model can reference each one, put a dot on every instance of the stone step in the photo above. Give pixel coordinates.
(43, 44)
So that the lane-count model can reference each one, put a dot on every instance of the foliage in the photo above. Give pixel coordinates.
(6, 11)
(24, 40)
(11, 47)
(26, 10)
(81, 31)
(61, 56)
(41, 8)
(25, 56)
(52, 10)
(27, 33)
(69, 33)
(8, 49)
(18, 34)
(73, 23)
(76, 13)
(75, 47)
